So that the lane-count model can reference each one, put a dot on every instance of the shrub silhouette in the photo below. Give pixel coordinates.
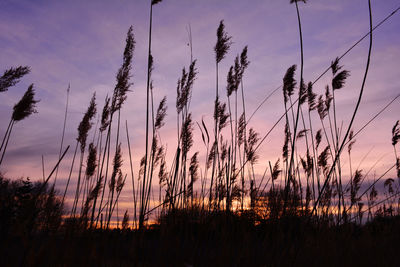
(27, 207)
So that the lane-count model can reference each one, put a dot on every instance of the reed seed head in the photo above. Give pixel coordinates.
(335, 66)
(194, 166)
(26, 106)
(223, 42)
(340, 79)
(155, 2)
(395, 133)
(86, 123)
(91, 163)
(352, 141)
(321, 108)
(318, 137)
(241, 129)
(117, 164)
(289, 83)
(105, 115)
(161, 113)
(355, 186)
(12, 76)
(187, 135)
(276, 171)
(328, 99)
(123, 75)
(251, 146)
(311, 96)
(302, 92)
(185, 86)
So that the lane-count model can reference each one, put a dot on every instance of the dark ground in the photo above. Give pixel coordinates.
(218, 242)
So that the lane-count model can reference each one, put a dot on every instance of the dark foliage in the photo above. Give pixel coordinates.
(27, 207)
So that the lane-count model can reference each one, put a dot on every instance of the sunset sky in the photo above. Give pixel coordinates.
(81, 43)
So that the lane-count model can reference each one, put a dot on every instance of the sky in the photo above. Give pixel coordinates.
(81, 43)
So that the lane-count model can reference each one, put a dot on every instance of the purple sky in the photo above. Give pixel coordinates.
(81, 43)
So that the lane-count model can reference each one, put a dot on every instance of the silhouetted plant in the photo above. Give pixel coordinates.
(118, 98)
(143, 200)
(83, 129)
(23, 109)
(26, 208)
(12, 76)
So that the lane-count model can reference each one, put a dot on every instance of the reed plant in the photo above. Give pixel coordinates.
(308, 180)
(23, 109)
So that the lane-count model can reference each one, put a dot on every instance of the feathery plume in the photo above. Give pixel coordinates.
(289, 82)
(223, 116)
(86, 123)
(116, 166)
(276, 171)
(123, 75)
(241, 129)
(311, 96)
(322, 111)
(302, 133)
(373, 194)
(125, 221)
(323, 158)
(340, 79)
(318, 137)
(193, 170)
(352, 142)
(26, 106)
(162, 173)
(94, 193)
(159, 155)
(389, 184)
(105, 115)
(91, 163)
(236, 72)
(328, 99)
(211, 155)
(396, 133)
(161, 113)
(187, 135)
(120, 182)
(244, 62)
(250, 148)
(355, 186)
(335, 66)
(285, 148)
(155, 2)
(223, 42)
(12, 76)
(230, 82)
(224, 149)
(185, 85)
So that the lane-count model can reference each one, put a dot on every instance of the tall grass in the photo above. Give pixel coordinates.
(307, 180)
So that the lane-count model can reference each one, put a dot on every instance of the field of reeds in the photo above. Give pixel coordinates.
(311, 205)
